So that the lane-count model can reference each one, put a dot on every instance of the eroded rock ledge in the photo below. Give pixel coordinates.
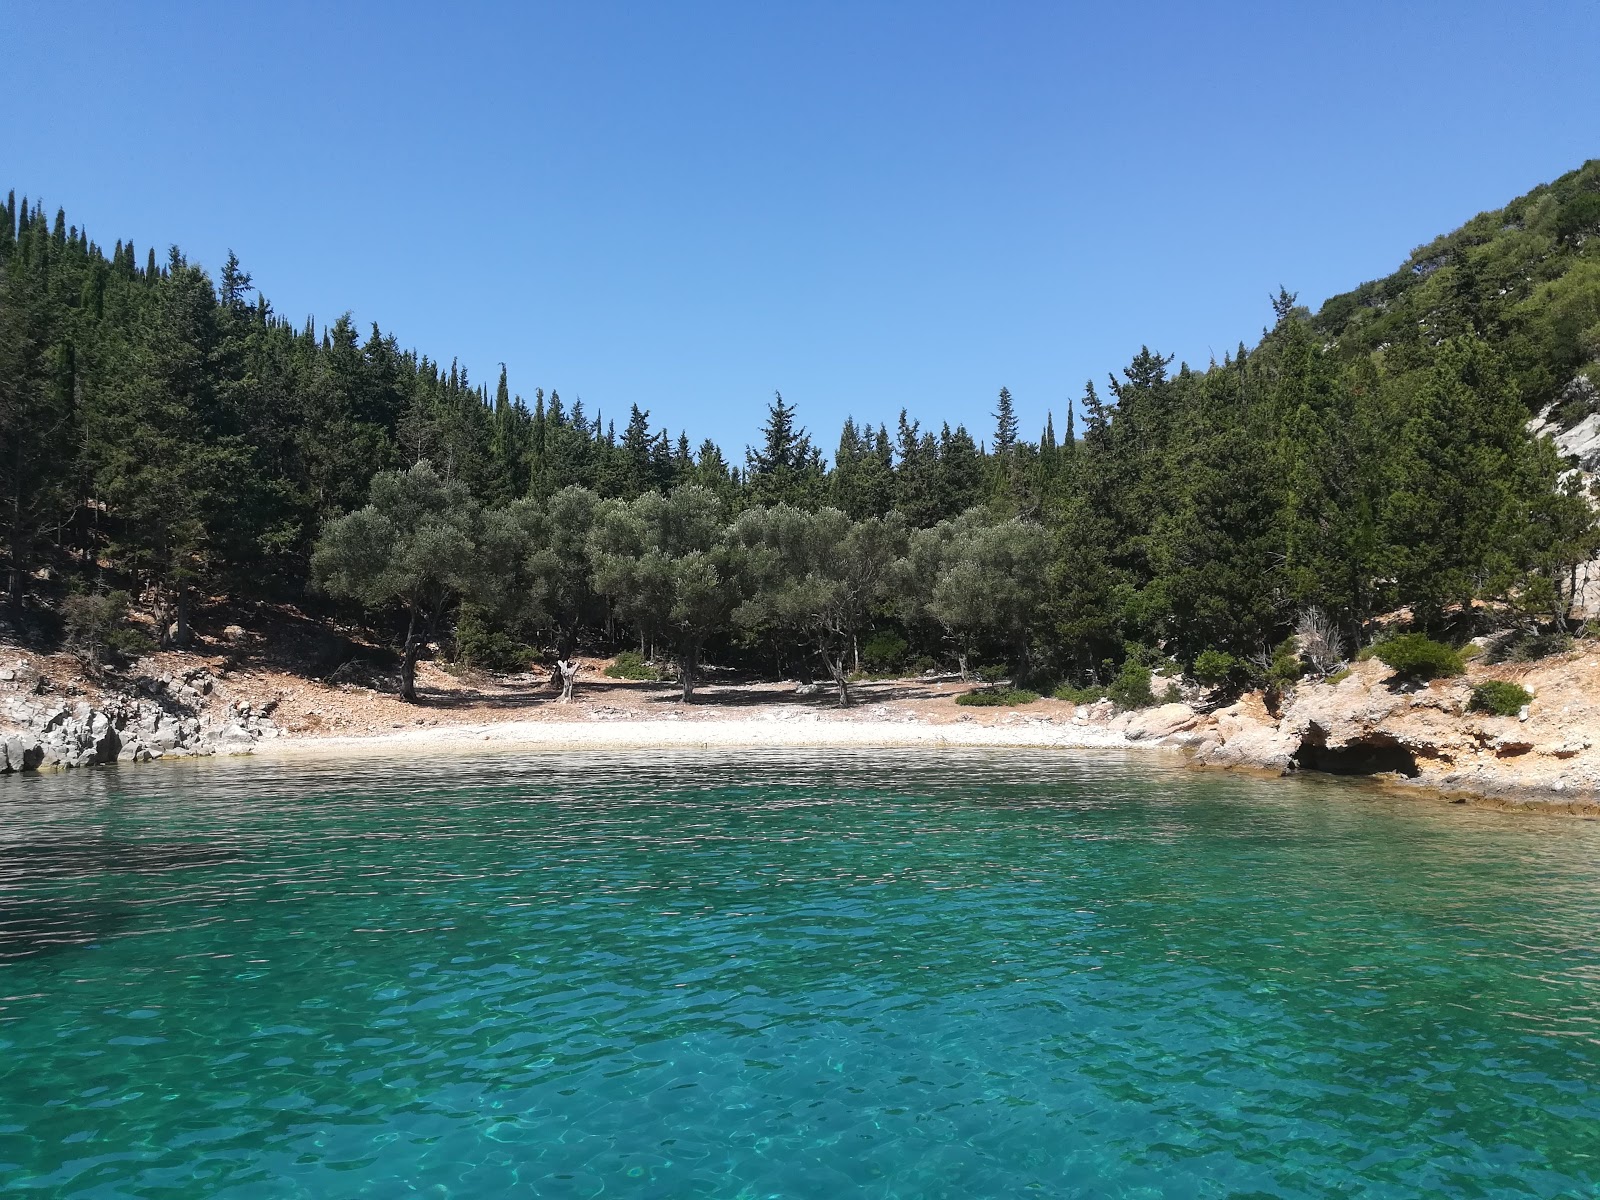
(1423, 735)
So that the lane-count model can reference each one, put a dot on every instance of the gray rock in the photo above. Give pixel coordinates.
(22, 753)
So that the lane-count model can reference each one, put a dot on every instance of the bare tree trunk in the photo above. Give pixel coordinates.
(408, 664)
(688, 667)
(836, 671)
(961, 661)
(568, 669)
(181, 637)
(855, 647)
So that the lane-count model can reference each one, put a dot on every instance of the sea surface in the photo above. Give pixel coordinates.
(973, 974)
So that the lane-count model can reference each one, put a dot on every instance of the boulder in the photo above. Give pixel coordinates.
(1167, 721)
(23, 753)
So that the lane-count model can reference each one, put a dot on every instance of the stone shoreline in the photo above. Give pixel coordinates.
(1419, 739)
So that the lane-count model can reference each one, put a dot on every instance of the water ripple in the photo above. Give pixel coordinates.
(893, 975)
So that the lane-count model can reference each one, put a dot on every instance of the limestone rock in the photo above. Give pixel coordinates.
(1164, 723)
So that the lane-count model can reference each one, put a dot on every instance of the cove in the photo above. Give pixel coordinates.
(888, 974)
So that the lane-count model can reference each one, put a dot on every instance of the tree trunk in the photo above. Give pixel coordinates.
(568, 670)
(408, 664)
(688, 665)
(961, 661)
(181, 637)
(855, 647)
(836, 670)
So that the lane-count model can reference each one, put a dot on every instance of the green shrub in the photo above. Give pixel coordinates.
(1499, 697)
(1417, 656)
(993, 673)
(1145, 656)
(996, 698)
(98, 629)
(630, 664)
(1079, 695)
(1131, 687)
(922, 664)
(1214, 667)
(1544, 645)
(1285, 668)
(1367, 653)
(1172, 694)
(478, 645)
(1340, 675)
(884, 651)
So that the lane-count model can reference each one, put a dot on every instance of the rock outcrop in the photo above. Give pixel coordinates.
(1424, 735)
(163, 716)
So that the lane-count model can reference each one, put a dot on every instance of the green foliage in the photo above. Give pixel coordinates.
(885, 651)
(1369, 458)
(1079, 695)
(1417, 656)
(985, 585)
(1285, 669)
(1340, 675)
(479, 644)
(993, 673)
(815, 576)
(1215, 667)
(630, 664)
(1521, 645)
(414, 546)
(1499, 697)
(1131, 688)
(98, 629)
(996, 698)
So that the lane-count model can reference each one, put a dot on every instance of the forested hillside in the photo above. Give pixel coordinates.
(170, 436)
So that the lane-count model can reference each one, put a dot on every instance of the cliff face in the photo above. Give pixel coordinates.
(1423, 735)
(1572, 423)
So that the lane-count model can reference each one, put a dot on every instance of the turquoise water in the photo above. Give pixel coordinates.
(957, 975)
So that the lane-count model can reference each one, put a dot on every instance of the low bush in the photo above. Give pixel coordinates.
(1079, 695)
(1521, 646)
(1285, 670)
(1214, 667)
(1131, 687)
(1340, 675)
(1499, 697)
(884, 651)
(1418, 656)
(488, 649)
(98, 629)
(630, 664)
(993, 673)
(996, 698)
(923, 664)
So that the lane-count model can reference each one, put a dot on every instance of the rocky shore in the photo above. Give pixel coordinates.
(1366, 724)
(165, 715)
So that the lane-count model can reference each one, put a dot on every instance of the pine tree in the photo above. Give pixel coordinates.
(1005, 426)
(786, 469)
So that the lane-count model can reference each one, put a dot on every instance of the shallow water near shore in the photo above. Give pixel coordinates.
(894, 974)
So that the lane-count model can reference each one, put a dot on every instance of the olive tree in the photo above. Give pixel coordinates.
(669, 568)
(984, 584)
(413, 547)
(818, 575)
(541, 571)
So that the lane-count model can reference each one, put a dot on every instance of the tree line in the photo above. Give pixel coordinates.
(174, 435)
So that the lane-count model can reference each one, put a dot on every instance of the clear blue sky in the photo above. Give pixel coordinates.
(866, 206)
